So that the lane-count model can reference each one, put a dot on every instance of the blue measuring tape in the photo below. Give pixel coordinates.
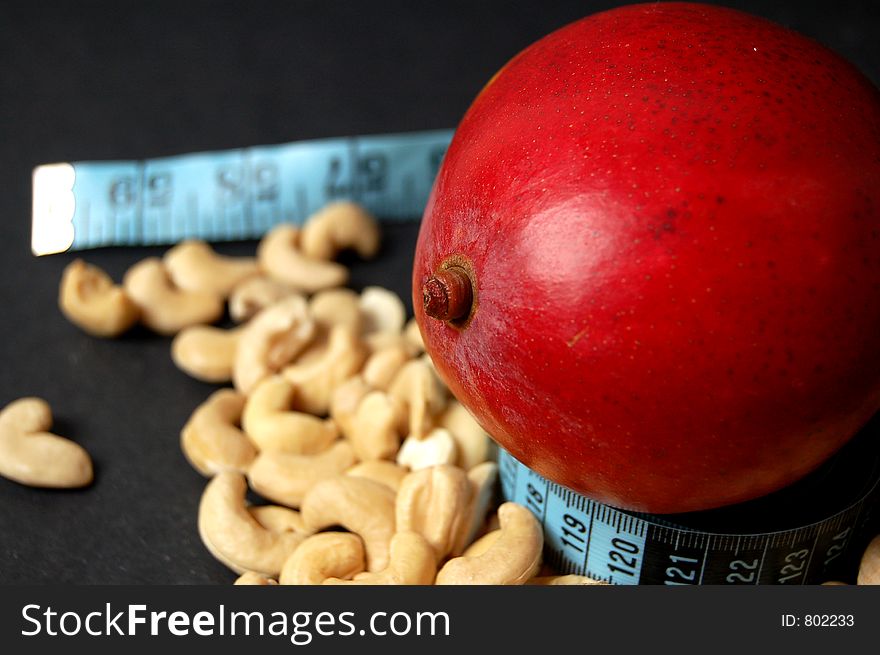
(241, 194)
(231, 194)
(812, 532)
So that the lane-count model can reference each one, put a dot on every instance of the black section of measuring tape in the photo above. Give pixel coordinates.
(811, 532)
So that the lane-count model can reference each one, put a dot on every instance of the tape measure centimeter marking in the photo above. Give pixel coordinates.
(232, 194)
(588, 538)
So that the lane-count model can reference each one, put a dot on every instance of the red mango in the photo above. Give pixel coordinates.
(651, 257)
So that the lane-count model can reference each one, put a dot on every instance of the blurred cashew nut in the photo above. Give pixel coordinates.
(254, 294)
(90, 300)
(383, 310)
(211, 439)
(413, 336)
(345, 400)
(382, 365)
(337, 307)
(194, 266)
(206, 352)
(340, 226)
(279, 256)
(165, 308)
(32, 456)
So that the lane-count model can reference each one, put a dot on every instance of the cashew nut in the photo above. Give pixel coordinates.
(234, 536)
(381, 367)
(484, 543)
(491, 523)
(359, 505)
(426, 358)
(383, 310)
(253, 294)
(316, 376)
(206, 352)
(482, 481)
(279, 519)
(474, 445)
(322, 556)
(254, 578)
(268, 421)
(388, 473)
(417, 386)
(211, 440)
(279, 255)
(32, 456)
(271, 340)
(90, 300)
(194, 266)
(513, 559)
(376, 341)
(557, 580)
(373, 428)
(345, 400)
(869, 569)
(339, 226)
(165, 308)
(413, 336)
(434, 502)
(337, 307)
(285, 478)
(411, 563)
(435, 449)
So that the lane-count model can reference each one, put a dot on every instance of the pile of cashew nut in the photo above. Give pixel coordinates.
(372, 473)
(332, 412)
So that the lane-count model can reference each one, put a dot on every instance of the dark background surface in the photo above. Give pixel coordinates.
(107, 80)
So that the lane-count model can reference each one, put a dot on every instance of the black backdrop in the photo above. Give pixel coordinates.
(108, 80)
